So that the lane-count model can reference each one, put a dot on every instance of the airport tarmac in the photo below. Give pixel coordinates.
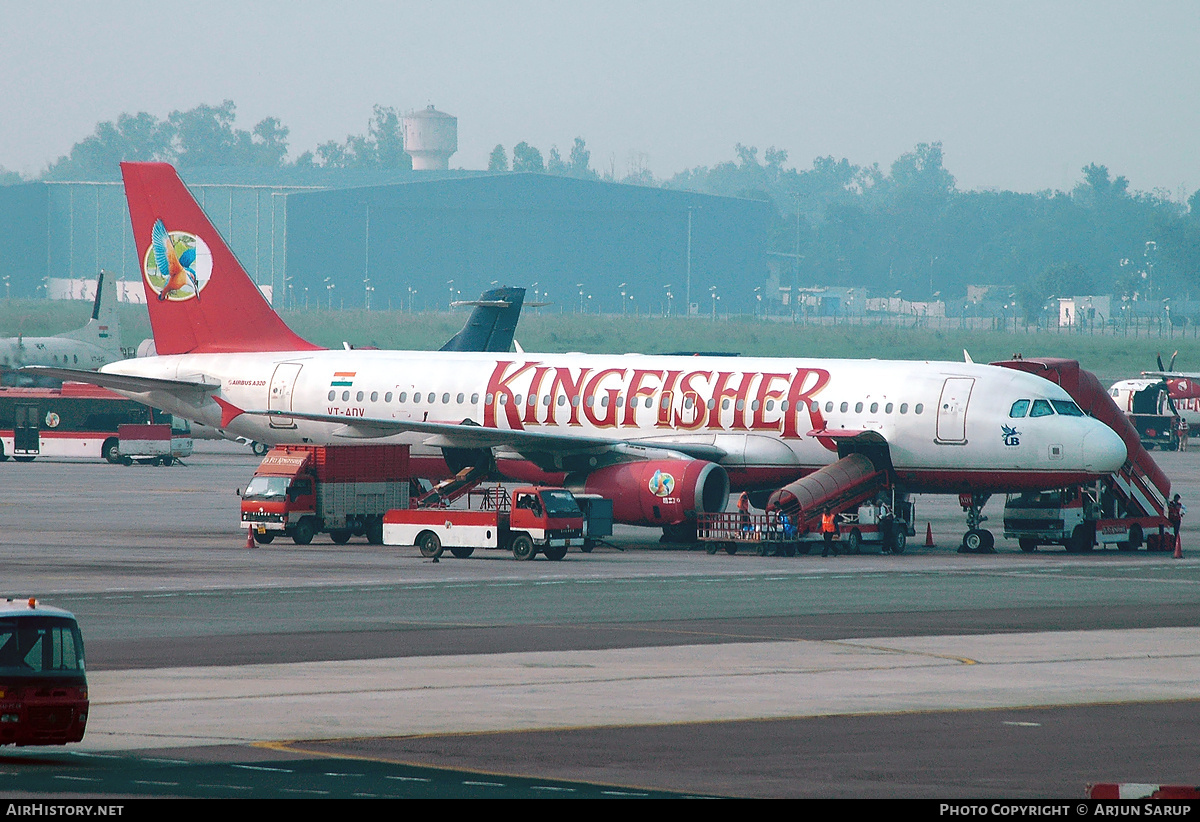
(649, 670)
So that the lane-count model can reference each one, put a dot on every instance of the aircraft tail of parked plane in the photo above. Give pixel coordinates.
(103, 330)
(200, 298)
(492, 323)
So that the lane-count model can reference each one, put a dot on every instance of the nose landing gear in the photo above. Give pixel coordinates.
(977, 540)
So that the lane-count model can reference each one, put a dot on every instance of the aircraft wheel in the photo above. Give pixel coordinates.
(259, 449)
(430, 545)
(265, 539)
(973, 542)
(462, 551)
(1028, 545)
(731, 548)
(556, 553)
(302, 533)
(340, 537)
(523, 547)
(854, 542)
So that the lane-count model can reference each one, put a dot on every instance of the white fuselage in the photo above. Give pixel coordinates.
(947, 425)
(54, 352)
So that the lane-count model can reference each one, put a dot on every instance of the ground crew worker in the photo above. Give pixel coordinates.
(744, 508)
(1183, 434)
(1175, 512)
(828, 529)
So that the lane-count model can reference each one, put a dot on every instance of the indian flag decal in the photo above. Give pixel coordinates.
(342, 379)
(104, 331)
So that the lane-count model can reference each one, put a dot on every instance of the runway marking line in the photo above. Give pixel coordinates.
(294, 747)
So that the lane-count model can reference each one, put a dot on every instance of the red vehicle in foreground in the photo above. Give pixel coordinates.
(43, 690)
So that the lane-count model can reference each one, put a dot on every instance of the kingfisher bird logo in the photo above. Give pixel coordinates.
(177, 265)
(662, 484)
(1011, 435)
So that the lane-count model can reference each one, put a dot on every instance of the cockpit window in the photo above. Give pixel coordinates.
(1066, 408)
(1018, 409)
(1041, 408)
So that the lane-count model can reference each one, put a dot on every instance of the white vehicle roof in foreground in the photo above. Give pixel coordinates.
(29, 606)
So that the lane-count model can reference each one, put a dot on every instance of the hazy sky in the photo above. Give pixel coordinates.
(1021, 94)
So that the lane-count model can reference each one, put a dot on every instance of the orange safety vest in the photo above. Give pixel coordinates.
(827, 524)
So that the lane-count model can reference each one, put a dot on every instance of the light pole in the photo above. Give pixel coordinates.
(621, 288)
(713, 292)
(329, 291)
(580, 287)
(450, 285)
(411, 293)
(368, 288)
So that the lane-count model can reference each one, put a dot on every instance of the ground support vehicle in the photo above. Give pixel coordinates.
(43, 689)
(303, 490)
(774, 534)
(540, 520)
(1128, 508)
(151, 444)
(74, 421)
(1078, 518)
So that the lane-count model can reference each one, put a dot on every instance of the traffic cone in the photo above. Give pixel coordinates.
(1178, 547)
(928, 535)
(249, 537)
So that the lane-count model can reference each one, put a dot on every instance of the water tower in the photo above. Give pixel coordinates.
(430, 137)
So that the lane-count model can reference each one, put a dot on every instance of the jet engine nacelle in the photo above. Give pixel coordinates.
(657, 492)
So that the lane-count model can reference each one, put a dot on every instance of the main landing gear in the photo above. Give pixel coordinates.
(977, 540)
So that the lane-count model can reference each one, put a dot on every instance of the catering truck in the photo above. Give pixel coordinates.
(344, 490)
(545, 520)
(43, 690)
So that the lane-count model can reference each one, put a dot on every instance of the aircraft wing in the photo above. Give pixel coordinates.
(531, 444)
(1173, 375)
(124, 382)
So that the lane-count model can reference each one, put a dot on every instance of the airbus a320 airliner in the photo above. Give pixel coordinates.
(664, 436)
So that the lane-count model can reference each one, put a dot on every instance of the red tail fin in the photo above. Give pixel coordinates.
(200, 298)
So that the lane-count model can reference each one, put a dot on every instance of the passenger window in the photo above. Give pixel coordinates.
(345, 396)
(332, 396)
(387, 397)
(919, 408)
(903, 408)
(374, 396)
(887, 409)
(858, 408)
(874, 407)
(403, 397)
(844, 407)
(1041, 408)
(1018, 409)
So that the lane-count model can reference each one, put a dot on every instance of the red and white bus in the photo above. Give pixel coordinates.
(76, 420)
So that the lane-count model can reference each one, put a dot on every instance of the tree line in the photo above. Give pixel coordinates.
(906, 229)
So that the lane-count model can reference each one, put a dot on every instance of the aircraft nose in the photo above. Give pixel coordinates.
(1103, 451)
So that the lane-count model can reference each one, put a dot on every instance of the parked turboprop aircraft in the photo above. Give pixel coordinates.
(89, 347)
(665, 437)
(1161, 392)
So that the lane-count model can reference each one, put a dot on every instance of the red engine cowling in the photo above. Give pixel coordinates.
(657, 492)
